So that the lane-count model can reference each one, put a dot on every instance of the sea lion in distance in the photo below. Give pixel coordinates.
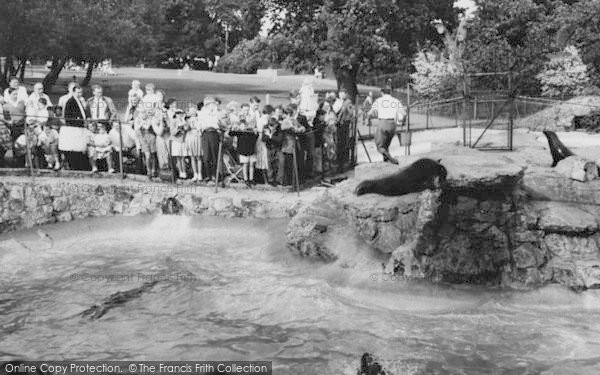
(421, 175)
(557, 149)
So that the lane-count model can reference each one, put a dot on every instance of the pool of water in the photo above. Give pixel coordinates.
(229, 290)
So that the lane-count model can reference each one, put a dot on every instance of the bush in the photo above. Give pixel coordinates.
(589, 122)
(246, 58)
(435, 75)
(565, 74)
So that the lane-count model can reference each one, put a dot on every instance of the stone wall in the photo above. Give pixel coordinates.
(25, 203)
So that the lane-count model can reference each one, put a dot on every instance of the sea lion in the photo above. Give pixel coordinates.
(421, 175)
(557, 149)
(116, 299)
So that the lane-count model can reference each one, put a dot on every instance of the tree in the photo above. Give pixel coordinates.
(513, 36)
(577, 25)
(352, 36)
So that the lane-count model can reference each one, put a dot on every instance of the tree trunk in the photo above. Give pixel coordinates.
(21, 69)
(88, 74)
(52, 76)
(346, 79)
(4, 75)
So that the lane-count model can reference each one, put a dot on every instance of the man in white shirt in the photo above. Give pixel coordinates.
(389, 112)
(38, 92)
(22, 95)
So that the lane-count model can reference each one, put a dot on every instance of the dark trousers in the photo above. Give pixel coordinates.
(285, 168)
(342, 145)
(273, 170)
(77, 160)
(308, 147)
(210, 150)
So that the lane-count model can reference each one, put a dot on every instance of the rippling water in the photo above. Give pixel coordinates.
(230, 291)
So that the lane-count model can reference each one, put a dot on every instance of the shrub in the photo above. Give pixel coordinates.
(246, 58)
(589, 122)
(435, 75)
(564, 74)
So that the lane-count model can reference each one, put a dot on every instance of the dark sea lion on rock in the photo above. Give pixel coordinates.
(421, 175)
(557, 149)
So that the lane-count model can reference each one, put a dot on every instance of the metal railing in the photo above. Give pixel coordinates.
(25, 126)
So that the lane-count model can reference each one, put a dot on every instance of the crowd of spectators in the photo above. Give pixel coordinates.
(160, 136)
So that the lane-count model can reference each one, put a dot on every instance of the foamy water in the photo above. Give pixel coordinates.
(229, 290)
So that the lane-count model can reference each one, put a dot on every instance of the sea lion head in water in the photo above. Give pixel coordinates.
(421, 175)
(557, 149)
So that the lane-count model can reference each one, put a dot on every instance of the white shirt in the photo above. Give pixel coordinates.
(37, 115)
(62, 101)
(389, 108)
(22, 95)
(337, 105)
(34, 98)
(209, 119)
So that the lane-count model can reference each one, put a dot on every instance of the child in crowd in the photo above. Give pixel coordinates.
(22, 143)
(144, 127)
(178, 129)
(246, 148)
(37, 113)
(193, 141)
(101, 148)
(48, 141)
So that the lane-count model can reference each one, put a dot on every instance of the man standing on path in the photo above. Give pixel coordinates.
(389, 112)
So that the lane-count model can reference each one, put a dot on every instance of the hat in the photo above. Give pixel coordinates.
(209, 100)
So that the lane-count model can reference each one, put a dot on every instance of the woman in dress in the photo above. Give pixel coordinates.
(144, 129)
(162, 138)
(175, 121)
(193, 141)
(329, 132)
(262, 152)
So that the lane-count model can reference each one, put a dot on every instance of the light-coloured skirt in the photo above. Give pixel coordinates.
(193, 142)
(73, 139)
(162, 151)
(262, 155)
(178, 148)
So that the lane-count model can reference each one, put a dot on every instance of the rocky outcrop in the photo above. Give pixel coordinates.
(495, 224)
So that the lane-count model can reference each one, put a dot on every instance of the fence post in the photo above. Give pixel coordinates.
(475, 109)
(296, 177)
(28, 151)
(219, 156)
(464, 110)
(408, 105)
(427, 116)
(121, 151)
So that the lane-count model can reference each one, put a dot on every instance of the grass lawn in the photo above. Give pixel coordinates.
(192, 86)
